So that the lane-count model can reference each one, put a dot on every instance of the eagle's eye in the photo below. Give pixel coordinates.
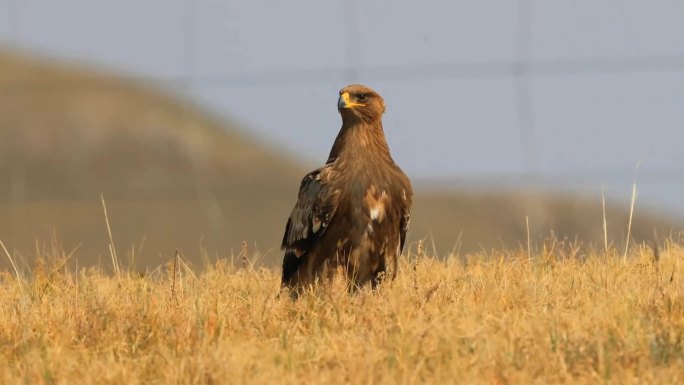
(362, 97)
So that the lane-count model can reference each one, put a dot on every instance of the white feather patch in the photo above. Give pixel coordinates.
(376, 206)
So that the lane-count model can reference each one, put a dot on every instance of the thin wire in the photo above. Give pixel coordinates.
(15, 19)
(352, 40)
(521, 69)
(523, 97)
(436, 71)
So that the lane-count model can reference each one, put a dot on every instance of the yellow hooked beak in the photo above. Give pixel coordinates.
(345, 102)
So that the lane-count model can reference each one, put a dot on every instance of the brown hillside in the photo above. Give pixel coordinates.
(69, 134)
(174, 177)
(475, 220)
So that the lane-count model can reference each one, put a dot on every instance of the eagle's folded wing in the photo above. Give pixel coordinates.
(313, 212)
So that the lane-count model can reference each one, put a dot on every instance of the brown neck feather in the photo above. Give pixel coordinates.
(360, 140)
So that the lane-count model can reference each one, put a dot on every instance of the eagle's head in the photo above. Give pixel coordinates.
(358, 102)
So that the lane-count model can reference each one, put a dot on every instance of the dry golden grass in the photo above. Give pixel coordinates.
(567, 315)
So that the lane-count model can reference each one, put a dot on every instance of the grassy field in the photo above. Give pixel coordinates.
(565, 314)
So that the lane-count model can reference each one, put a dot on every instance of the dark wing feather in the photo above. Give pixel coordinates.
(407, 200)
(403, 228)
(313, 212)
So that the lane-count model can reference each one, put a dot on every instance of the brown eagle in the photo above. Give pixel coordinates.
(354, 211)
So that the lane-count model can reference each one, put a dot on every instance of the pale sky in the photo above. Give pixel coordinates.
(605, 88)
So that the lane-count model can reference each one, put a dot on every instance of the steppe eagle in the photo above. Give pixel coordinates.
(354, 211)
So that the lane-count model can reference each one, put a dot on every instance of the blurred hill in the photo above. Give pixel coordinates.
(176, 177)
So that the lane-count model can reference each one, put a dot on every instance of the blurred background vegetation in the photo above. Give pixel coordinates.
(195, 120)
(175, 177)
